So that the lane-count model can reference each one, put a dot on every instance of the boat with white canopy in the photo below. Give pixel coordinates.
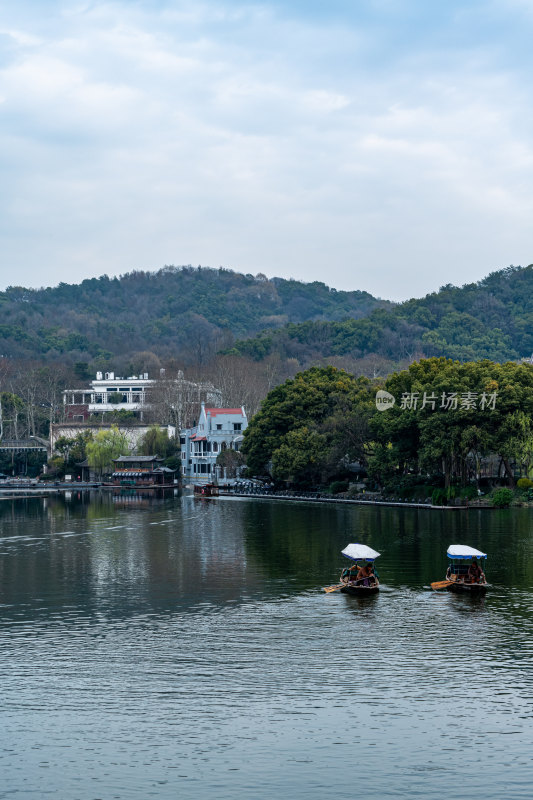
(465, 573)
(360, 579)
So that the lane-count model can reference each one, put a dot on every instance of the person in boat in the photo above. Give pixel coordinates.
(365, 576)
(348, 573)
(475, 573)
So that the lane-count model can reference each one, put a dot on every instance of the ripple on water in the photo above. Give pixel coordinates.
(193, 654)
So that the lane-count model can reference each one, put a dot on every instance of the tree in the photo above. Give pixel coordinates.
(301, 456)
(73, 450)
(11, 407)
(317, 412)
(106, 446)
(448, 414)
(231, 460)
(156, 442)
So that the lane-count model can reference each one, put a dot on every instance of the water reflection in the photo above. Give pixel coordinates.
(173, 647)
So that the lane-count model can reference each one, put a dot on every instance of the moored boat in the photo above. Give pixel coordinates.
(205, 490)
(465, 573)
(360, 579)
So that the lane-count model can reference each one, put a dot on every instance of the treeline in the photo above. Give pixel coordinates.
(490, 319)
(437, 422)
(187, 317)
(187, 313)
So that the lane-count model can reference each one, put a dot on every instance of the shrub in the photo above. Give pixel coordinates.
(439, 497)
(338, 486)
(524, 483)
(56, 467)
(502, 498)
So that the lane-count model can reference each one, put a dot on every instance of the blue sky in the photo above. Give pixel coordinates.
(383, 145)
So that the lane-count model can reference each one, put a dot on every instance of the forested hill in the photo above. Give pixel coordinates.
(490, 319)
(188, 314)
(181, 312)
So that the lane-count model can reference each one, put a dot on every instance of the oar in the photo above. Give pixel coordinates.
(334, 588)
(441, 584)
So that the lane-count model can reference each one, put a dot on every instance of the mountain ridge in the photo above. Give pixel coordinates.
(163, 311)
(191, 313)
(492, 318)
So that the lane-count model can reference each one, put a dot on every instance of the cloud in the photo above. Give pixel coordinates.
(149, 133)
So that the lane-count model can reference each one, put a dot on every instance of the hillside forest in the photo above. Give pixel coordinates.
(245, 334)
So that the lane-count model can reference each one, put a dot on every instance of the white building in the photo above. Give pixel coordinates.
(107, 393)
(218, 429)
(138, 393)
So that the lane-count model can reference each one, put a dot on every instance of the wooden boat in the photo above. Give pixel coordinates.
(459, 573)
(205, 490)
(358, 553)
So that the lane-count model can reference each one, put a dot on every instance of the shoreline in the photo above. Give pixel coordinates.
(41, 492)
(349, 501)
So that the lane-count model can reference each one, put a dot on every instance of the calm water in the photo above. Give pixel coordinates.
(183, 648)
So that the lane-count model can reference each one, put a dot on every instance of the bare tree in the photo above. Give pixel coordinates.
(177, 401)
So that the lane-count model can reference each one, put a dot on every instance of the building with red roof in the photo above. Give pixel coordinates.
(218, 429)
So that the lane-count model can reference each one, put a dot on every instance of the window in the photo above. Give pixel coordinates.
(215, 447)
(237, 426)
(182, 439)
(219, 427)
(184, 456)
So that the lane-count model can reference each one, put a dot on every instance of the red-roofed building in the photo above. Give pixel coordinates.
(218, 429)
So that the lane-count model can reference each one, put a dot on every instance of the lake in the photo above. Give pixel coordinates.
(184, 648)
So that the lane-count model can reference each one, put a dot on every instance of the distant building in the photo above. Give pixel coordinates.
(133, 471)
(142, 471)
(174, 400)
(107, 393)
(218, 429)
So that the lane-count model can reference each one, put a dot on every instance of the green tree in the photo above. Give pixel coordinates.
(323, 412)
(73, 450)
(156, 442)
(462, 411)
(106, 446)
(300, 458)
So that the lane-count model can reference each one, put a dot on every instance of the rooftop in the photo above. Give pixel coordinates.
(137, 459)
(215, 411)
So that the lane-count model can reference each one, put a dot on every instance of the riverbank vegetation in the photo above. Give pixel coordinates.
(455, 430)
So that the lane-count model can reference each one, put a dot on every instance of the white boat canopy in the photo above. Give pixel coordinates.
(356, 551)
(464, 551)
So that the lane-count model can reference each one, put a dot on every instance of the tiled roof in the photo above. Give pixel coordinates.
(137, 459)
(215, 411)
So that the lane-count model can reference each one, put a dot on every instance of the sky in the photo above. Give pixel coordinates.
(384, 145)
